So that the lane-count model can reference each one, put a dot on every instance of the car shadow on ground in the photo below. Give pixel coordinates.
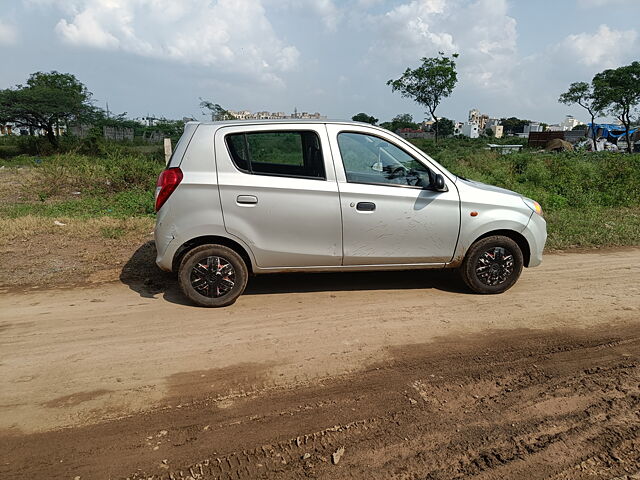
(141, 275)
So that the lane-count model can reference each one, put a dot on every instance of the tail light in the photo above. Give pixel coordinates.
(168, 180)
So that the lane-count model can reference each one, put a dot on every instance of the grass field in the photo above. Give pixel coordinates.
(589, 199)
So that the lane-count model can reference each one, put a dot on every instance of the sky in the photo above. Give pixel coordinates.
(159, 57)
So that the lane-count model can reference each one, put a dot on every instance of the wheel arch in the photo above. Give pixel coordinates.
(516, 237)
(211, 239)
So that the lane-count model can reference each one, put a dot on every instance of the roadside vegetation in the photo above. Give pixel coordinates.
(589, 199)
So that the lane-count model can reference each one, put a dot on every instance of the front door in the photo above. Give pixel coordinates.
(390, 214)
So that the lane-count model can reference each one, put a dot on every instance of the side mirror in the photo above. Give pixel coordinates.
(438, 183)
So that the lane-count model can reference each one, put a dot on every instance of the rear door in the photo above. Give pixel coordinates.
(390, 215)
(279, 193)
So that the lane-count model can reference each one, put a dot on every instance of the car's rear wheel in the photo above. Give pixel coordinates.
(212, 275)
(492, 265)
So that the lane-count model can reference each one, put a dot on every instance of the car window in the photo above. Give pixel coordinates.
(281, 153)
(369, 159)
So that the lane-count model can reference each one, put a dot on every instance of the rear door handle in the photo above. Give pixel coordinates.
(366, 206)
(247, 199)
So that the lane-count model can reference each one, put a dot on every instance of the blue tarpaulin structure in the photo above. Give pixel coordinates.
(610, 130)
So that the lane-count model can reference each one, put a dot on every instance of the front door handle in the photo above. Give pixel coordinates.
(366, 206)
(247, 199)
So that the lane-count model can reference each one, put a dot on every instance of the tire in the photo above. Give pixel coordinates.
(212, 275)
(492, 265)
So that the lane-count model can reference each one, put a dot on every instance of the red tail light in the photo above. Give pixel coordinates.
(168, 180)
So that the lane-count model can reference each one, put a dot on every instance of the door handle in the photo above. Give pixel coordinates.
(247, 199)
(366, 206)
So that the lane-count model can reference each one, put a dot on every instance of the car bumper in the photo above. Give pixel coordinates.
(536, 234)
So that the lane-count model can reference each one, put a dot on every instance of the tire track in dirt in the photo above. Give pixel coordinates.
(560, 407)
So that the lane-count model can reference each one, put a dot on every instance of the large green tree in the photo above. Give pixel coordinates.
(363, 117)
(514, 124)
(581, 93)
(617, 91)
(430, 83)
(45, 102)
(403, 120)
(446, 127)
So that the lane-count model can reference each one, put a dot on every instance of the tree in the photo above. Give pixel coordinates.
(446, 127)
(45, 102)
(513, 124)
(363, 117)
(399, 122)
(217, 112)
(429, 84)
(618, 91)
(581, 93)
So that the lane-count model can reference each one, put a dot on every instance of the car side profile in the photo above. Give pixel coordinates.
(240, 198)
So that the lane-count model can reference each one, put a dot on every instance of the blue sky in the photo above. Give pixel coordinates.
(333, 56)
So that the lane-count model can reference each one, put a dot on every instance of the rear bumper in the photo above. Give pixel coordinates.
(536, 234)
(165, 245)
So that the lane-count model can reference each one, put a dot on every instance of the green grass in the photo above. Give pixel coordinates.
(588, 199)
(133, 203)
(593, 227)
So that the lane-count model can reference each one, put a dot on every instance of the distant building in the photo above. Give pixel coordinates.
(498, 130)
(146, 121)
(478, 118)
(6, 129)
(533, 127)
(265, 115)
(10, 128)
(570, 123)
(471, 130)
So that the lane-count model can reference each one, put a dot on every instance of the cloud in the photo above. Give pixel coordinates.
(604, 3)
(328, 12)
(233, 36)
(481, 31)
(605, 48)
(8, 33)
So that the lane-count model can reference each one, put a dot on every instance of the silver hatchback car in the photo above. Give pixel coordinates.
(275, 196)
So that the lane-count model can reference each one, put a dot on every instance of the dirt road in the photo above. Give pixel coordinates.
(412, 376)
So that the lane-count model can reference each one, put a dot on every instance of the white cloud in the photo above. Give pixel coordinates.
(604, 3)
(234, 36)
(8, 34)
(603, 49)
(329, 13)
(481, 31)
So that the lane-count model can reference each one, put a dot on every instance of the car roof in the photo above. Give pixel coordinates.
(301, 121)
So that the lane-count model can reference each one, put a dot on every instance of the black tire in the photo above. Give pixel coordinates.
(212, 275)
(492, 265)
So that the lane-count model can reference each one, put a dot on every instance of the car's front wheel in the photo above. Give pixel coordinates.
(212, 275)
(492, 265)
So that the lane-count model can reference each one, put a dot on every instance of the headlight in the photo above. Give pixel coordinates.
(533, 205)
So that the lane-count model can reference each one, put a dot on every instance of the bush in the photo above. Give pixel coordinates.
(556, 180)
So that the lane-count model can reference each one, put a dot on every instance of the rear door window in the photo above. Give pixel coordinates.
(279, 153)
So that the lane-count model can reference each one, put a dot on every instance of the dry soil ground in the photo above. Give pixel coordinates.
(360, 376)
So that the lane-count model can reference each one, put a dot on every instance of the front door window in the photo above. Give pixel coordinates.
(372, 160)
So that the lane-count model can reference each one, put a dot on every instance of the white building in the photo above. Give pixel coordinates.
(570, 122)
(471, 130)
(265, 115)
(533, 127)
(147, 121)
